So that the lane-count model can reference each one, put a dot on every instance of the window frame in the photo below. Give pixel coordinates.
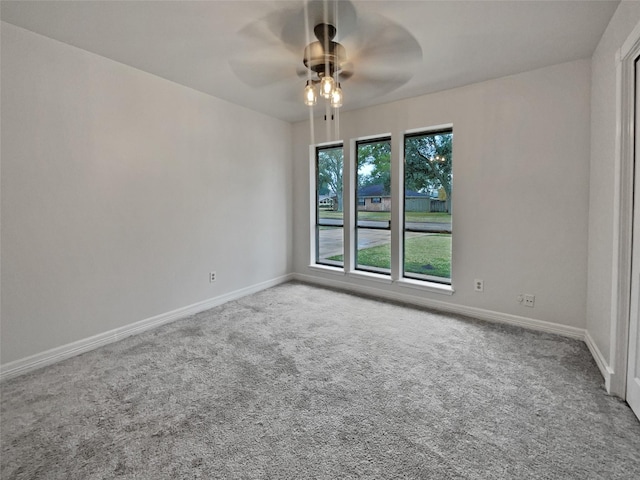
(416, 277)
(317, 261)
(348, 267)
(357, 268)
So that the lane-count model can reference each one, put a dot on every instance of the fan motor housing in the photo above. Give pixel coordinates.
(324, 54)
(317, 59)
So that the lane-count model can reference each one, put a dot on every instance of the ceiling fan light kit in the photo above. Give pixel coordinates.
(310, 97)
(324, 58)
(336, 97)
(326, 87)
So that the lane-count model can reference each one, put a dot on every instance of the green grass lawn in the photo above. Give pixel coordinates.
(428, 255)
(424, 254)
(383, 216)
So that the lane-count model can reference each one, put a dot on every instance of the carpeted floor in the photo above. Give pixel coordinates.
(299, 382)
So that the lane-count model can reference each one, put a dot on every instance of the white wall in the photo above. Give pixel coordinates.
(521, 186)
(121, 191)
(602, 183)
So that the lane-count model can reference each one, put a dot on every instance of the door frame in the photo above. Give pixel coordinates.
(623, 206)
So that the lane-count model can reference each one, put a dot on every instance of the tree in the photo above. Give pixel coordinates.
(378, 156)
(330, 165)
(428, 163)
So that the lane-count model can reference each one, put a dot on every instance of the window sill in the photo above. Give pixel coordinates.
(376, 277)
(421, 285)
(426, 286)
(327, 269)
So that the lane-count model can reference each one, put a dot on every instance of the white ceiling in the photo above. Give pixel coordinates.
(197, 44)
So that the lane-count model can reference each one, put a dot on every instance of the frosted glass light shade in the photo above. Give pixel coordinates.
(336, 97)
(310, 98)
(326, 86)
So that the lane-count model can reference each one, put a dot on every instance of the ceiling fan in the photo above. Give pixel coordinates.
(326, 42)
(326, 59)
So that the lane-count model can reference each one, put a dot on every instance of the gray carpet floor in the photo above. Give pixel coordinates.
(299, 382)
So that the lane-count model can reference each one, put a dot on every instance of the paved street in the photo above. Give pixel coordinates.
(433, 227)
(331, 241)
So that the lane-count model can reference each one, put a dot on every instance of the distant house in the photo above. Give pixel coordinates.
(327, 201)
(373, 198)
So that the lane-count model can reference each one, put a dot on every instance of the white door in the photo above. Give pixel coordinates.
(633, 367)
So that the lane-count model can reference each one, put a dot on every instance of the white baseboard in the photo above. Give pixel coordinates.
(479, 313)
(49, 357)
(605, 369)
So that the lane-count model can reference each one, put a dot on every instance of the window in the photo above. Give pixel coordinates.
(423, 238)
(329, 218)
(427, 206)
(373, 212)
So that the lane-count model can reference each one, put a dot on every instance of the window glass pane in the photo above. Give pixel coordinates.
(330, 246)
(373, 206)
(427, 206)
(329, 217)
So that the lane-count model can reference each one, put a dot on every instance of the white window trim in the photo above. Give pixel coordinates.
(353, 269)
(318, 267)
(426, 286)
(312, 202)
(397, 226)
(376, 277)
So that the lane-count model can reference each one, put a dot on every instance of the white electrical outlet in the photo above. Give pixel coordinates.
(526, 299)
(212, 277)
(529, 300)
(478, 285)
